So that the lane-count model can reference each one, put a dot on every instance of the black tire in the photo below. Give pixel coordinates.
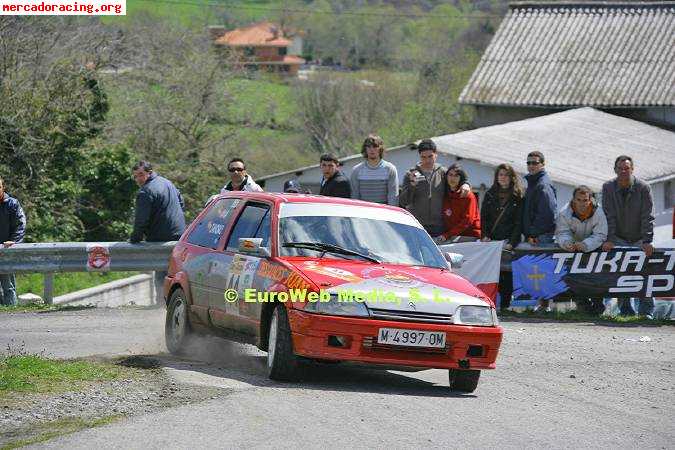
(177, 330)
(282, 363)
(463, 380)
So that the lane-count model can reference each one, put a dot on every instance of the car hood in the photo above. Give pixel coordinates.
(392, 287)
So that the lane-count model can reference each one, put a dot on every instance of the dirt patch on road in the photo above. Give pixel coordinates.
(28, 418)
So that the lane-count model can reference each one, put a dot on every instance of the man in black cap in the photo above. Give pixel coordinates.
(292, 187)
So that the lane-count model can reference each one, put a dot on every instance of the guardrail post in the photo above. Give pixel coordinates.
(48, 292)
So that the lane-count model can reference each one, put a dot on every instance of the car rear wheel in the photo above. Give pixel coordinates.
(177, 326)
(282, 363)
(463, 380)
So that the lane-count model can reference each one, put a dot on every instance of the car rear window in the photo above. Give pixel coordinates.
(211, 226)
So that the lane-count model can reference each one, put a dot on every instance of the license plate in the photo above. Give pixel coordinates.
(411, 338)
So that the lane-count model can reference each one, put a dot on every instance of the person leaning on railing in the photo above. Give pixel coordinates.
(500, 218)
(582, 227)
(460, 212)
(12, 230)
(629, 207)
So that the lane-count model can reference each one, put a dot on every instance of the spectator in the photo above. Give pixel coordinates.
(539, 209)
(334, 182)
(292, 187)
(500, 218)
(628, 205)
(239, 179)
(460, 214)
(424, 189)
(582, 227)
(375, 180)
(159, 212)
(12, 231)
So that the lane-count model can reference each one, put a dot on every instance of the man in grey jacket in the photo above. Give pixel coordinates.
(582, 227)
(424, 188)
(628, 205)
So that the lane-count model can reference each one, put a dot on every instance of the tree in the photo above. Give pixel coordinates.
(51, 106)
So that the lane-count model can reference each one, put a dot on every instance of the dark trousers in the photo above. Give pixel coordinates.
(592, 306)
(505, 288)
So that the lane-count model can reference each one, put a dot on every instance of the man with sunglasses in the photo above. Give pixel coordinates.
(539, 209)
(239, 179)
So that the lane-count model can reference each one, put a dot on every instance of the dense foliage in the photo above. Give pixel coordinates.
(81, 99)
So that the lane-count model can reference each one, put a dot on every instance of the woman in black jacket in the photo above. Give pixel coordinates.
(500, 218)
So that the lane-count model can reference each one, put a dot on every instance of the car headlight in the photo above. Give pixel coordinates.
(482, 316)
(335, 307)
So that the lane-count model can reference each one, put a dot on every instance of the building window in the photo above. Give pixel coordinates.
(669, 194)
(249, 51)
(283, 51)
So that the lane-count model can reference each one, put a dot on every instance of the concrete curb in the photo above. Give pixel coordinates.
(135, 290)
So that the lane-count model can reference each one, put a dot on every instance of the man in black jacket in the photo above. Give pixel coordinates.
(334, 183)
(159, 213)
(12, 230)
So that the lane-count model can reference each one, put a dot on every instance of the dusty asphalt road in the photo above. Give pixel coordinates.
(557, 385)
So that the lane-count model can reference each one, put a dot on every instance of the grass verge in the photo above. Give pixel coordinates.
(36, 374)
(49, 430)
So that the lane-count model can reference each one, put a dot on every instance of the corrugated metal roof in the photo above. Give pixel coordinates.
(603, 54)
(580, 146)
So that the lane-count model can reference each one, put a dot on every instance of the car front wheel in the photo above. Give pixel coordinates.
(282, 363)
(177, 327)
(463, 380)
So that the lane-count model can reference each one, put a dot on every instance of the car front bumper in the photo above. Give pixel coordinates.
(316, 336)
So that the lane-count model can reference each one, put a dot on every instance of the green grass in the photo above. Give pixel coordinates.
(578, 316)
(33, 373)
(258, 101)
(198, 13)
(49, 430)
(65, 283)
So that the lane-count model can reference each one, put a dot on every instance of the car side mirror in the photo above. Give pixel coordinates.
(455, 259)
(252, 246)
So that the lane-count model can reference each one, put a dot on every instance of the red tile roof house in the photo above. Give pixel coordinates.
(262, 46)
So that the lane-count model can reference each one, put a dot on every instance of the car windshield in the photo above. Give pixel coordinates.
(384, 235)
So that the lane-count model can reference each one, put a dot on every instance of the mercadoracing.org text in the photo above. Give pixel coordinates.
(63, 7)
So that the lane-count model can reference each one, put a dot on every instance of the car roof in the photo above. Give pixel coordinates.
(277, 197)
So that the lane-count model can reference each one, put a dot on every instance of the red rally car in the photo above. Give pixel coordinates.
(319, 278)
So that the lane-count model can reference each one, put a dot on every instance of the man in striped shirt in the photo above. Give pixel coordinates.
(375, 180)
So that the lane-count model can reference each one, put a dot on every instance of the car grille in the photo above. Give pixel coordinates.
(370, 342)
(410, 316)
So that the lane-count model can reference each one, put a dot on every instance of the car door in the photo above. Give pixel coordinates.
(239, 272)
(205, 237)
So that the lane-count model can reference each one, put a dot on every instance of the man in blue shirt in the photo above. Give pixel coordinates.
(12, 230)
(539, 210)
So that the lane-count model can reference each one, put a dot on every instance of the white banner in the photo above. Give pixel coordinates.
(481, 260)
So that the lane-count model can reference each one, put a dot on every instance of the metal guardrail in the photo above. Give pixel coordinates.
(49, 258)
